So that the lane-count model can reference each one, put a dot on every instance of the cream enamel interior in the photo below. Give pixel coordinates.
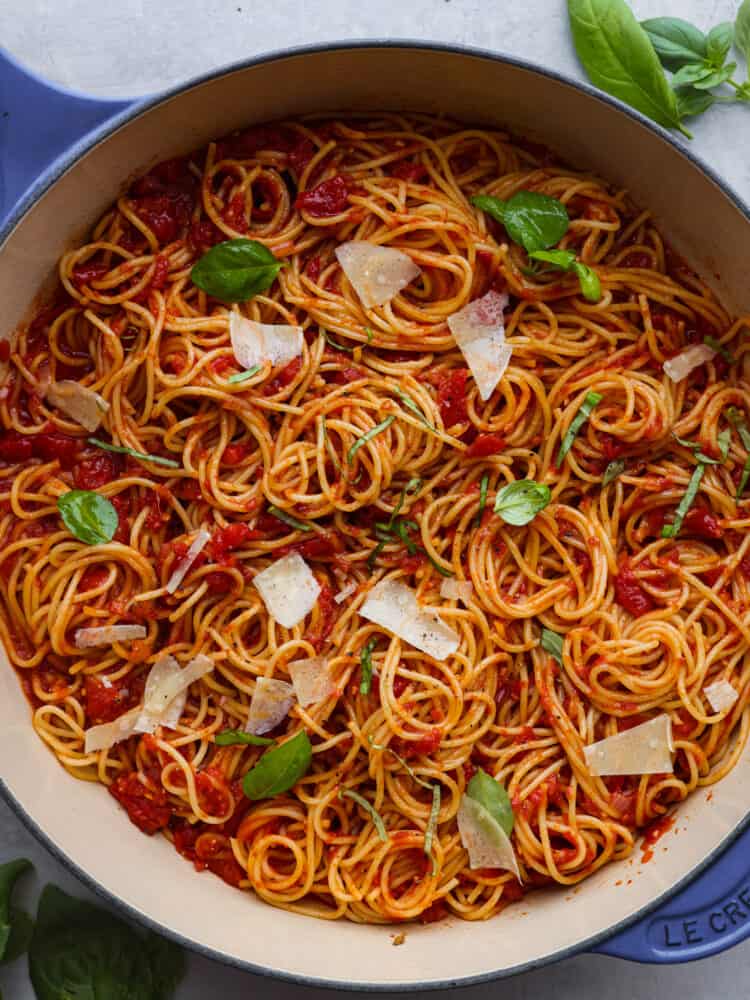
(80, 818)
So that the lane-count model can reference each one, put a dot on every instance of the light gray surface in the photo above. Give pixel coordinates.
(138, 46)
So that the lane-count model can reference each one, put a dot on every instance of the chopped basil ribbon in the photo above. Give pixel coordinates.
(411, 405)
(142, 456)
(492, 795)
(723, 440)
(370, 334)
(533, 220)
(279, 769)
(613, 470)
(592, 399)
(519, 502)
(374, 555)
(714, 344)
(234, 737)
(15, 924)
(552, 643)
(738, 422)
(411, 486)
(365, 660)
(243, 376)
(281, 515)
(373, 432)
(483, 487)
(332, 343)
(236, 270)
(88, 516)
(372, 812)
(670, 530)
(565, 260)
(695, 447)
(431, 828)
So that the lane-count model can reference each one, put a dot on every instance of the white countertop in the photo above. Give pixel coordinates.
(134, 47)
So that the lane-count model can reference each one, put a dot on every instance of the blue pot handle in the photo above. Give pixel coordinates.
(709, 916)
(38, 122)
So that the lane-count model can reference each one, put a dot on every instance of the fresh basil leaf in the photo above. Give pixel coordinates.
(716, 78)
(368, 436)
(244, 376)
(691, 74)
(592, 399)
(281, 515)
(618, 56)
(142, 456)
(676, 42)
(519, 502)
(483, 487)
(235, 737)
(565, 260)
(552, 643)
(671, 530)
(714, 344)
(723, 440)
(742, 30)
(691, 102)
(490, 793)
(613, 470)
(431, 829)
(561, 259)
(236, 270)
(719, 42)
(365, 662)
(168, 966)
(10, 872)
(21, 932)
(534, 221)
(377, 820)
(88, 516)
(279, 769)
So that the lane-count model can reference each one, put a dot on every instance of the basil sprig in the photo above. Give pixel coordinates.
(365, 662)
(552, 643)
(697, 61)
(236, 270)
(15, 924)
(279, 769)
(493, 796)
(88, 516)
(565, 260)
(142, 456)
(587, 406)
(534, 221)
(519, 502)
(235, 737)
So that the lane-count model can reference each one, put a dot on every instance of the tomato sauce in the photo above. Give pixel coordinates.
(330, 197)
(451, 397)
(629, 593)
(146, 806)
(654, 832)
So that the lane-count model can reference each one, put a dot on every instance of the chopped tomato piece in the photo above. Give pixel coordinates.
(96, 470)
(629, 593)
(451, 397)
(146, 807)
(226, 540)
(330, 197)
(484, 445)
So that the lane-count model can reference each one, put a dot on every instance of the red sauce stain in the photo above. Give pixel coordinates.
(654, 832)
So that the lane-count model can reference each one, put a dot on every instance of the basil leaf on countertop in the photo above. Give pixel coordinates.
(742, 30)
(234, 737)
(10, 872)
(490, 793)
(519, 502)
(236, 270)
(691, 102)
(280, 769)
(88, 516)
(719, 42)
(534, 221)
(677, 43)
(552, 643)
(618, 57)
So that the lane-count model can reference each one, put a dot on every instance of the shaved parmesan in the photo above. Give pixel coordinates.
(457, 590)
(256, 343)
(269, 706)
(377, 273)
(394, 606)
(105, 736)
(84, 405)
(311, 679)
(105, 635)
(167, 679)
(721, 695)
(679, 367)
(645, 749)
(479, 331)
(289, 589)
(196, 547)
(487, 843)
(345, 592)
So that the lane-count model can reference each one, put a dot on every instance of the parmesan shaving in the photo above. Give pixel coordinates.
(167, 679)
(106, 635)
(345, 592)
(457, 590)
(679, 367)
(487, 843)
(394, 606)
(289, 589)
(84, 405)
(269, 706)
(645, 749)
(479, 331)
(196, 547)
(257, 343)
(105, 736)
(721, 695)
(311, 679)
(376, 273)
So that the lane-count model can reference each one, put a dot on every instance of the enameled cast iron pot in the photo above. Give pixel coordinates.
(71, 155)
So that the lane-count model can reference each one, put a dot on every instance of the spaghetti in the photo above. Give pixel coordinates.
(372, 456)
